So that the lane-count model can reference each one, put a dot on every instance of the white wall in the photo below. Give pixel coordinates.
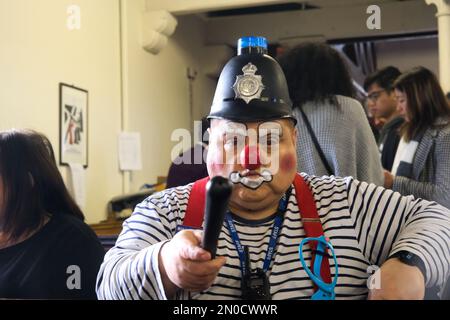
(37, 51)
(146, 93)
(156, 89)
(406, 54)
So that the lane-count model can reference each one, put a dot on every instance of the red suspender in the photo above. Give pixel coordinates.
(308, 212)
(196, 204)
(311, 222)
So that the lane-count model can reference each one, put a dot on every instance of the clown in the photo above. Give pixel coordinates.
(272, 210)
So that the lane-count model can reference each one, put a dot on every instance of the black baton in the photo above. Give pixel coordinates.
(218, 192)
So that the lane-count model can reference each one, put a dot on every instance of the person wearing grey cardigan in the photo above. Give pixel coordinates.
(430, 170)
(320, 85)
(422, 162)
(343, 132)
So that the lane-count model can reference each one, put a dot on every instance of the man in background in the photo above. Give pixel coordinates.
(382, 103)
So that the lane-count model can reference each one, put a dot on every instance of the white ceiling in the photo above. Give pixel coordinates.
(346, 3)
(201, 9)
(182, 7)
(333, 19)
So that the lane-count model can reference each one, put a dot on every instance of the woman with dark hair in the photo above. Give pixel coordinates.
(334, 136)
(46, 250)
(422, 162)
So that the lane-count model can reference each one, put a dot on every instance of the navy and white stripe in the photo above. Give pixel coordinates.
(365, 224)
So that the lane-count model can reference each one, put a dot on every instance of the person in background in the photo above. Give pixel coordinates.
(448, 97)
(190, 165)
(46, 250)
(375, 124)
(422, 163)
(382, 103)
(334, 135)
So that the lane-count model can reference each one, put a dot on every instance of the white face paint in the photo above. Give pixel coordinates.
(265, 145)
(234, 137)
(252, 182)
(270, 134)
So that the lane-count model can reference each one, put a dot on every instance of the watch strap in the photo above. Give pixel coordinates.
(410, 259)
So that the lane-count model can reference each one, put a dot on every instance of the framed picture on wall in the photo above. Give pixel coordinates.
(73, 128)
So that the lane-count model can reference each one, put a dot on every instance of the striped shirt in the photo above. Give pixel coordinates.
(364, 223)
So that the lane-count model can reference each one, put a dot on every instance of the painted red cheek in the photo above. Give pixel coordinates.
(288, 163)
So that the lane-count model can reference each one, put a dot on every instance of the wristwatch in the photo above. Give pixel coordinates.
(410, 259)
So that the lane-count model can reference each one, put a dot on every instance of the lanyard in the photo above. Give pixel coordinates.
(282, 206)
(309, 215)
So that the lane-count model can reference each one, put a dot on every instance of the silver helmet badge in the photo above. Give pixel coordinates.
(248, 86)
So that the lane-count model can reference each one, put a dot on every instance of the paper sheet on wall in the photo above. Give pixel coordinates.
(130, 157)
(78, 184)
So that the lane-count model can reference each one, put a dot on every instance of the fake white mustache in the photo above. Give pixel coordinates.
(251, 182)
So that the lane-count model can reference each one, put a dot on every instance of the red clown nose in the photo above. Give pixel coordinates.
(250, 158)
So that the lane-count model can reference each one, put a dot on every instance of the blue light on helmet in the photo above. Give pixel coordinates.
(252, 44)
